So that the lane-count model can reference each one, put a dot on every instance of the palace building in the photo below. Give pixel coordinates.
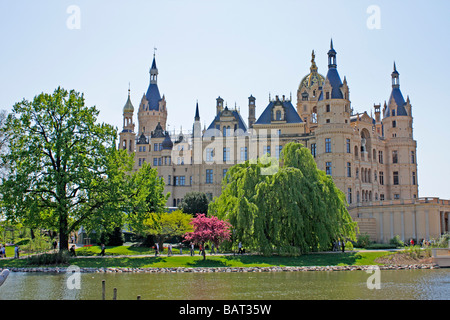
(372, 159)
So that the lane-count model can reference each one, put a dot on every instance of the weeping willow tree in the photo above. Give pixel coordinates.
(296, 210)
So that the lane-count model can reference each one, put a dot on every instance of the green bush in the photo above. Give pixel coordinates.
(397, 241)
(363, 240)
(349, 245)
(443, 241)
(381, 246)
(49, 258)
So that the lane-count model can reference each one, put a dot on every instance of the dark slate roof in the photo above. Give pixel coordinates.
(336, 84)
(153, 97)
(215, 123)
(167, 143)
(154, 63)
(397, 97)
(291, 114)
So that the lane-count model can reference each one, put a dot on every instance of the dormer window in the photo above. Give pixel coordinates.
(393, 112)
(278, 115)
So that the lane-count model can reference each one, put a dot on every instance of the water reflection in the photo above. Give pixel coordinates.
(397, 285)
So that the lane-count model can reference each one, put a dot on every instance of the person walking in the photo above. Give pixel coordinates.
(240, 247)
(102, 253)
(192, 249)
(4, 250)
(16, 252)
(181, 248)
(156, 249)
(169, 250)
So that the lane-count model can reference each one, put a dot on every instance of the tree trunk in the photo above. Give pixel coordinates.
(63, 235)
(203, 251)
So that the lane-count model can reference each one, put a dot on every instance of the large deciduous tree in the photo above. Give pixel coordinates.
(297, 209)
(64, 170)
(195, 202)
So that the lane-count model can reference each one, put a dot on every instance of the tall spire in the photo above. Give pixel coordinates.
(332, 56)
(395, 77)
(154, 71)
(197, 113)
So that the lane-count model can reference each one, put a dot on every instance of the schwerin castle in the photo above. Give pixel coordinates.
(373, 160)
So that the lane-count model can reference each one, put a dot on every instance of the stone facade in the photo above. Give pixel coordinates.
(372, 158)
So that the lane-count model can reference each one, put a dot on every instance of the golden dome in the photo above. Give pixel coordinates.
(313, 77)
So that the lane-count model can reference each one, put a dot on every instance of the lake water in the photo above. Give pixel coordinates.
(324, 285)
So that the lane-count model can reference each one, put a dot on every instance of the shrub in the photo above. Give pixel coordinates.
(397, 241)
(381, 246)
(363, 240)
(349, 245)
(49, 258)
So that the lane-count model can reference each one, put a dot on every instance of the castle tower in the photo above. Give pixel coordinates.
(152, 109)
(401, 148)
(333, 126)
(127, 136)
(308, 94)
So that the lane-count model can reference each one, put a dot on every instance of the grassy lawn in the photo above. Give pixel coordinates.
(316, 259)
(329, 259)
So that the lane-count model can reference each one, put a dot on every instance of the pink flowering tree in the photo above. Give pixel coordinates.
(208, 229)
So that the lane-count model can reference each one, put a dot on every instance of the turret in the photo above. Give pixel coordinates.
(251, 111)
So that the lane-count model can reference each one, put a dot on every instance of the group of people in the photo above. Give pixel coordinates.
(3, 251)
(191, 249)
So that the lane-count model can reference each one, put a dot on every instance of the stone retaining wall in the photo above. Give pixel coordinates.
(224, 269)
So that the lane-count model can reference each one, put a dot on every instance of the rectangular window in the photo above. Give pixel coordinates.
(349, 169)
(278, 152)
(396, 196)
(328, 145)
(179, 180)
(349, 195)
(140, 162)
(155, 147)
(380, 157)
(159, 161)
(396, 180)
(140, 149)
(328, 168)
(209, 176)
(190, 180)
(394, 124)
(382, 197)
(169, 179)
(348, 145)
(266, 149)
(313, 149)
(155, 162)
(159, 146)
(328, 108)
(413, 157)
(394, 156)
(414, 178)
(224, 172)
(244, 156)
(381, 175)
(226, 154)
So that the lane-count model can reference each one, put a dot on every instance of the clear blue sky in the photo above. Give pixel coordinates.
(234, 49)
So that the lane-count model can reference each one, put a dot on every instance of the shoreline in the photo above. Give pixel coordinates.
(223, 269)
